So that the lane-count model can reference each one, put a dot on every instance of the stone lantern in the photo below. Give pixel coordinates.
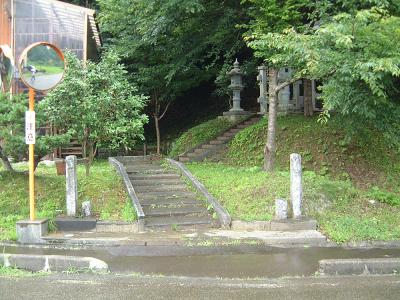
(236, 86)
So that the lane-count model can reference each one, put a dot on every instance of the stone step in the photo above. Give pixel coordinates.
(255, 119)
(161, 188)
(143, 168)
(241, 126)
(208, 146)
(147, 171)
(192, 154)
(216, 142)
(251, 122)
(142, 164)
(164, 194)
(171, 202)
(229, 134)
(175, 211)
(196, 158)
(177, 221)
(233, 130)
(169, 176)
(223, 138)
(153, 182)
(200, 151)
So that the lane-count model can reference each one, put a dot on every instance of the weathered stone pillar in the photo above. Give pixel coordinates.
(71, 185)
(313, 94)
(281, 209)
(296, 93)
(263, 80)
(284, 100)
(86, 209)
(284, 105)
(296, 188)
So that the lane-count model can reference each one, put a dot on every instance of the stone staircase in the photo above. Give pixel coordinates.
(217, 145)
(166, 200)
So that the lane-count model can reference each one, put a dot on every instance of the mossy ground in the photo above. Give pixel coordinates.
(103, 188)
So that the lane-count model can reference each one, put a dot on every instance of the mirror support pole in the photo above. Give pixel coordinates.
(32, 162)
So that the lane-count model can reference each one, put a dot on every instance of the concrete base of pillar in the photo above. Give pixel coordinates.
(285, 109)
(235, 115)
(31, 232)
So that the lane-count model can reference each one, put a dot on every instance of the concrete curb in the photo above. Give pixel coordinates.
(359, 266)
(109, 226)
(131, 191)
(372, 244)
(276, 225)
(223, 215)
(56, 263)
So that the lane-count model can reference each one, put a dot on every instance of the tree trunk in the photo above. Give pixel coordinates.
(86, 151)
(308, 105)
(36, 162)
(156, 121)
(91, 154)
(5, 161)
(270, 146)
(157, 117)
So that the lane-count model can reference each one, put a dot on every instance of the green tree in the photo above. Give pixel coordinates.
(172, 46)
(96, 103)
(12, 131)
(354, 54)
(273, 16)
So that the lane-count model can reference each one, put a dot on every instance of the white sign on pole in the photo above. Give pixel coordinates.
(30, 130)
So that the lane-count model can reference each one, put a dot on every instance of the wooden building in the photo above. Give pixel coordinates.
(69, 27)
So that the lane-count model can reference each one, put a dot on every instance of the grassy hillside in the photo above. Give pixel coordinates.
(198, 135)
(351, 185)
(103, 188)
(344, 212)
(364, 159)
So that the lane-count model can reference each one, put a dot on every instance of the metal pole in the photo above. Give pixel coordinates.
(31, 162)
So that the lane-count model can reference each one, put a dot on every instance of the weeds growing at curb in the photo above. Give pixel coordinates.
(16, 272)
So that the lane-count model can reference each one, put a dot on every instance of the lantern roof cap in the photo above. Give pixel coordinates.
(236, 69)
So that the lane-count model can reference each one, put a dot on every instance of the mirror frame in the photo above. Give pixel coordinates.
(4, 49)
(25, 54)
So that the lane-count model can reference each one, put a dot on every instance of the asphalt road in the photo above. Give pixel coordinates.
(86, 286)
(222, 262)
(44, 82)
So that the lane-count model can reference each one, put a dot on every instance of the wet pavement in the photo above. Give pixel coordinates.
(110, 286)
(263, 263)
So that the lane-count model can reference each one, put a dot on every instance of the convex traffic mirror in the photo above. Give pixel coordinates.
(6, 68)
(41, 66)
